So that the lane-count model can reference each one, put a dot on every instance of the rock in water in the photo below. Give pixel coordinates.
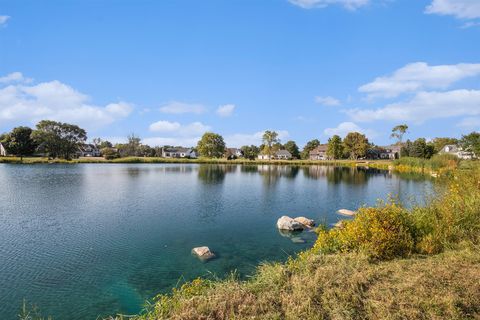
(287, 223)
(309, 223)
(346, 212)
(203, 253)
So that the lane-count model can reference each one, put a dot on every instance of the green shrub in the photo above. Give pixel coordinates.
(383, 232)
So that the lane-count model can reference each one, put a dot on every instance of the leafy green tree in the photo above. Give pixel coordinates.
(356, 145)
(312, 144)
(250, 152)
(398, 132)
(109, 153)
(59, 139)
(211, 145)
(19, 142)
(269, 139)
(421, 149)
(335, 147)
(405, 150)
(101, 144)
(292, 147)
(471, 142)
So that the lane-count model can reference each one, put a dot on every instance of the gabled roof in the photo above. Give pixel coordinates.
(178, 150)
(320, 149)
(283, 153)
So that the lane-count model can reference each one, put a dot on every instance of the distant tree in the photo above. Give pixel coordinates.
(59, 139)
(398, 132)
(250, 152)
(109, 153)
(312, 144)
(101, 144)
(439, 143)
(471, 142)
(421, 149)
(335, 147)
(211, 145)
(356, 145)
(146, 151)
(269, 138)
(405, 150)
(19, 142)
(133, 146)
(292, 147)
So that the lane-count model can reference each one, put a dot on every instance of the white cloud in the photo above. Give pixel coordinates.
(15, 77)
(164, 126)
(55, 101)
(176, 107)
(226, 110)
(241, 139)
(345, 127)
(424, 106)
(327, 101)
(176, 134)
(348, 4)
(419, 76)
(461, 9)
(470, 123)
(194, 128)
(3, 19)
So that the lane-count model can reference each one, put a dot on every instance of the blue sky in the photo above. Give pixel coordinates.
(170, 70)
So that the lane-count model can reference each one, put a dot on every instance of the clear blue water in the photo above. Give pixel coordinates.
(89, 240)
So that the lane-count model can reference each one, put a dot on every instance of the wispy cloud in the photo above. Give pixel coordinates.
(176, 107)
(419, 76)
(469, 123)
(461, 9)
(347, 4)
(345, 127)
(226, 110)
(328, 101)
(4, 19)
(424, 106)
(15, 77)
(174, 133)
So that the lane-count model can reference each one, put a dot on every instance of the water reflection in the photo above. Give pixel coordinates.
(214, 173)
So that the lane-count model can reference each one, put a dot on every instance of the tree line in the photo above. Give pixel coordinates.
(63, 140)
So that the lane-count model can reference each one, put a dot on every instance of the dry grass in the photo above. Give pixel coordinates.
(341, 286)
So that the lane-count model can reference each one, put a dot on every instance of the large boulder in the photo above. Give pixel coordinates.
(346, 212)
(203, 253)
(309, 223)
(287, 223)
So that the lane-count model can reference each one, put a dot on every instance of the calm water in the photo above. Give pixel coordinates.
(86, 240)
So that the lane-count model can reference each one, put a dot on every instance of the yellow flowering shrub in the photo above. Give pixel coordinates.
(382, 232)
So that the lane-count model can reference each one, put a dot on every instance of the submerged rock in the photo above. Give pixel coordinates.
(287, 223)
(346, 212)
(297, 240)
(309, 223)
(203, 253)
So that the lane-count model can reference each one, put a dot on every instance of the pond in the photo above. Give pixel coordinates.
(88, 240)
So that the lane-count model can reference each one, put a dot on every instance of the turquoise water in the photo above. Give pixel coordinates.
(88, 240)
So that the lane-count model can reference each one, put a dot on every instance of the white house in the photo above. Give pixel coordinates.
(233, 153)
(3, 152)
(319, 153)
(457, 151)
(277, 155)
(178, 153)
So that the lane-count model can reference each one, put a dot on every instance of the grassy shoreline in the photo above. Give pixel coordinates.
(387, 263)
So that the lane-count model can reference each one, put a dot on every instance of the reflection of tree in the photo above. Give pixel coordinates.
(272, 173)
(214, 173)
(356, 176)
(248, 169)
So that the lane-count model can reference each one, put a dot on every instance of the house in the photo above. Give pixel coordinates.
(319, 153)
(233, 153)
(283, 155)
(388, 152)
(88, 150)
(457, 151)
(3, 151)
(178, 152)
(277, 155)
